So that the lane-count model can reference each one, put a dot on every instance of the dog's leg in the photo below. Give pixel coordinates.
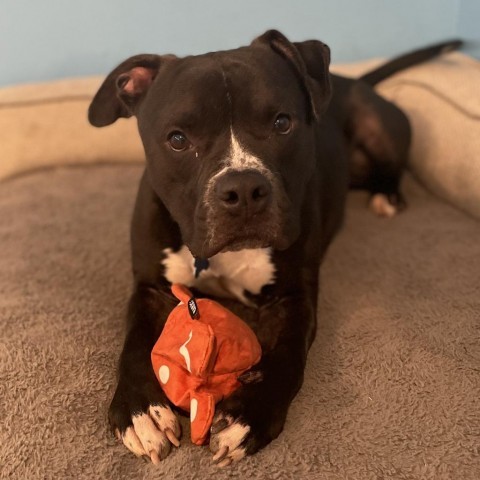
(379, 138)
(381, 178)
(255, 414)
(139, 413)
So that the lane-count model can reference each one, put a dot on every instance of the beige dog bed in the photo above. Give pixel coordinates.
(42, 125)
(392, 384)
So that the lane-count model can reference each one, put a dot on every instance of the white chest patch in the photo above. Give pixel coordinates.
(229, 274)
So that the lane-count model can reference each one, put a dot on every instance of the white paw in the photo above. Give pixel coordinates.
(381, 206)
(152, 433)
(226, 439)
(167, 422)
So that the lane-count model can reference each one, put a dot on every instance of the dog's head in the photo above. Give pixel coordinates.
(229, 136)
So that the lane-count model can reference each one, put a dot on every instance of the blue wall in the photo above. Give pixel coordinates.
(468, 24)
(42, 40)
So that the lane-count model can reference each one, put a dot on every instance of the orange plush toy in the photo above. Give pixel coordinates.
(199, 356)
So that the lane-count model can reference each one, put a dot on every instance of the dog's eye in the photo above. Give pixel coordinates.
(283, 124)
(178, 141)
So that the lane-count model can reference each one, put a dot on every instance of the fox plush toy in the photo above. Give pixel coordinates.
(202, 351)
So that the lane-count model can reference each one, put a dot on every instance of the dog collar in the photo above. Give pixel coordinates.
(200, 264)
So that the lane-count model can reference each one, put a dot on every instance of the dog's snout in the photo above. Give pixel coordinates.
(247, 192)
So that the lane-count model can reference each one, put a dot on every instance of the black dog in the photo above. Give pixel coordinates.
(250, 153)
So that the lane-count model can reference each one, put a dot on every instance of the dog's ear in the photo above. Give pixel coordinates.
(310, 60)
(124, 88)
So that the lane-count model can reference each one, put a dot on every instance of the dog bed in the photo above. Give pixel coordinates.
(392, 381)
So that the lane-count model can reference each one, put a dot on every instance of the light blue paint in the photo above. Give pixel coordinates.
(42, 40)
(468, 25)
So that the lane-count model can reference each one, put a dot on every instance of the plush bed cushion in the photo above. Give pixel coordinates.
(46, 124)
(392, 383)
(391, 387)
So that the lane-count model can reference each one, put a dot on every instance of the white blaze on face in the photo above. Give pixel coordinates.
(239, 158)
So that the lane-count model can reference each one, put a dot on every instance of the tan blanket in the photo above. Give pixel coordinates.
(392, 385)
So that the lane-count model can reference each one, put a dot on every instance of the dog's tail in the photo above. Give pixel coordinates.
(409, 60)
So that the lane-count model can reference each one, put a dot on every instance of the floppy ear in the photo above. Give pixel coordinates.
(310, 61)
(124, 88)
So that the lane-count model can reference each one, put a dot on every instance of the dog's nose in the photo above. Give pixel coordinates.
(247, 192)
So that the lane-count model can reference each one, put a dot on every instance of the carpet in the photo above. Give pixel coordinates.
(392, 384)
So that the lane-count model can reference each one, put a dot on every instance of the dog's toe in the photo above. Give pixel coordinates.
(132, 442)
(167, 422)
(152, 433)
(154, 442)
(226, 441)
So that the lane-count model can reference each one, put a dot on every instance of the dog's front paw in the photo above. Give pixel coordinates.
(146, 426)
(228, 438)
(241, 428)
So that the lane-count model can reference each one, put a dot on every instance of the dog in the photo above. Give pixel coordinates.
(249, 157)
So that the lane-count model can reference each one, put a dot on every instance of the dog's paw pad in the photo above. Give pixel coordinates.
(227, 437)
(381, 206)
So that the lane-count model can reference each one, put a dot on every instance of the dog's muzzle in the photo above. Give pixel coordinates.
(242, 211)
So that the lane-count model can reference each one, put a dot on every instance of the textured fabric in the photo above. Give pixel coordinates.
(46, 124)
(392, 384)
